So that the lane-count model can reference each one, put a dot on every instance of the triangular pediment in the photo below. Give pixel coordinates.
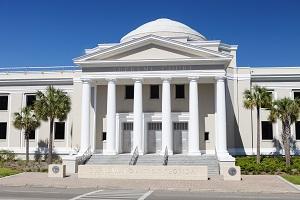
(150, 48)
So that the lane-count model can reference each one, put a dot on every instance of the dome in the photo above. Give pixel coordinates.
(164, 28)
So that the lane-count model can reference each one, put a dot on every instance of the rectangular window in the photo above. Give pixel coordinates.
(180, 126)
(179, 91)
(59, 129)
(3, 102)
(267, 130)
(296, 95)
(271, 93)
(154, 92)
(129, 92)
(297, 132)
(154, 126)
(206, 135)
(103, 136)
(3, 130)
(30, 99)
(32, 135)
(127, 126)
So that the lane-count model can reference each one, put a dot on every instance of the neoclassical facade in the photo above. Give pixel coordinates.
(163, 87)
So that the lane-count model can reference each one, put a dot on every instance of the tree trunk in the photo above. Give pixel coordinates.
(258, 136)
(50, 141)
(27, 146)
(286, 133)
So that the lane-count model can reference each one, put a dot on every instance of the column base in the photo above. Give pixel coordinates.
(194, 153)
(225, 157)
(169, 153)
(105, 152)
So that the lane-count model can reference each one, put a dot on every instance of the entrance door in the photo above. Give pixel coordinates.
(154, 137)
(127, 137)
(180, 137)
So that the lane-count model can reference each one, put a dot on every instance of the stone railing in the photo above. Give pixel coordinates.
(134, 157)
(166, 157)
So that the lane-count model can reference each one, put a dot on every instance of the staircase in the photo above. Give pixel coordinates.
(210, 161)
(120, 159)
(150, 159)
(157, 160)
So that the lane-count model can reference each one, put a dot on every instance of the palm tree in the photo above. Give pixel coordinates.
(287, 110)
(51, 105)
(258, 97)
(28, 121)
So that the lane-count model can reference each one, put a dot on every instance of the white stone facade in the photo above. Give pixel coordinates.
(196, 106)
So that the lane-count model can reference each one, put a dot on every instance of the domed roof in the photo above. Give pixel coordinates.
(164, 28)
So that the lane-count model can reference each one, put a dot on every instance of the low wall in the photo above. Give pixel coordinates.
(143, 172)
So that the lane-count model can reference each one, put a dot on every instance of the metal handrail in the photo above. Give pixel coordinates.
(166, 157)
(134, 156)
(81, 160)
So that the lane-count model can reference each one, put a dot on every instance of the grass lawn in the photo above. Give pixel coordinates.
(7, 172)
(292, 179)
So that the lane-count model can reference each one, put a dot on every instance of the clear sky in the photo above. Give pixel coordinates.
(47, 33)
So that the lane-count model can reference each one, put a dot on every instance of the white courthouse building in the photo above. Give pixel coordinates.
(163, 87)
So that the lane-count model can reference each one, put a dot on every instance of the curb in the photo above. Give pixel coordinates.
(289, 183)
(11, 176)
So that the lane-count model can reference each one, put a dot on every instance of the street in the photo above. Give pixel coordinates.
(27, 193)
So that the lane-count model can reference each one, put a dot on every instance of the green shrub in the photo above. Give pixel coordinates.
(268, 165)
(6, 155)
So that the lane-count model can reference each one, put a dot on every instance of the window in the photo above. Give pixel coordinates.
(3, 130)
(103, 136)
(59, 133)
(267, 130)
(154, 92)
(206, 135)
(297, 132)
(154, 126)
(127, 126)
(179, 91)
(129, 92)
(271, 93)
(3, 102)
(30, 99)
(32, 135)
(180, 126)
(296, 95)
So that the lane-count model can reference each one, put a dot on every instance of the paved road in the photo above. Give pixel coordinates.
(26, 193)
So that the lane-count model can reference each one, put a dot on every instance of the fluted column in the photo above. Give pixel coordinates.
(193, 139)
(85, 115)
(138, 116)
(111, 118)
(220, 103)
(167, 135)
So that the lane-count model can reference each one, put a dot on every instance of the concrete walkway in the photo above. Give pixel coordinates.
(263, 183)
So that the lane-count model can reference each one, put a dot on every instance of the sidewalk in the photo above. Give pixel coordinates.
(263, 183)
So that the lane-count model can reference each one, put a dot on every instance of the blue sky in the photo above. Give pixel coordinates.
(48, 33)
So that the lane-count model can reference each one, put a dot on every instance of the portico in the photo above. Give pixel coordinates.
(137, 127)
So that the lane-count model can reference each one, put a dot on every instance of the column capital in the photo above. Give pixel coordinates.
(168, 79)
(138, 79)
(86, 80)
(220, 78)
(112, 79)
(193, 78)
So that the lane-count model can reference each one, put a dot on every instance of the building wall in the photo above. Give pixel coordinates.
(16, 88)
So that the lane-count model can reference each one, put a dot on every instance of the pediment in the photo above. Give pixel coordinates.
(150, 48)
(152, 52)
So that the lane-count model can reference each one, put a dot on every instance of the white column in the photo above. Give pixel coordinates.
(167, 135)
(85, 115)
(138, 116)
(193, 139)
(220, 108)
(111, 118)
